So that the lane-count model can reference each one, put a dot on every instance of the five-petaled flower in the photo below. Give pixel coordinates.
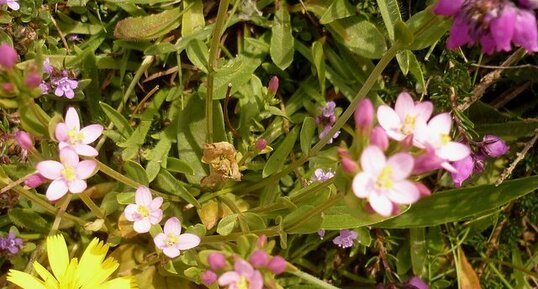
(244, 276)
(171, 241)
(145, 212)
(67, 175)
(69, 134)
(384, 182)
(65, 86)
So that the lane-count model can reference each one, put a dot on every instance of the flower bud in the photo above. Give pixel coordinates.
(259, 259)
(379, 138)
(417, 283)
(423, 190)
(8, 56)
(8, 87)
(349, 166)
(34, 180)
(262, 240)
(261, 144)
(209, 277)
(277, 265)
(494, 146)
(464, 169)
(321, 233)
(24, 140)
(216, 261)
(364, 115)
(33, 79)
(273, 84)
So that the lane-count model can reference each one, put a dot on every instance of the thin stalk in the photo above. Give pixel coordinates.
(95, 210)
(311, 279)
(16, 183)
(60, 214)
(213, 56)
(269, 232)
(315, 211)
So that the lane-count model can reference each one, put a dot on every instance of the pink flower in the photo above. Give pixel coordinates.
(172, 241)
(243, 277)
(364, 115)
(345, 239)
(12, 4)
(145, 212)
(379, 138)
(436, 136)
(8, 56)
(383, 181)
(67, 175)
(277, 265)
(208, 277)
(273, 84)
(24, 140)
(259, 259)
(65, 86)
(69, 134)
(216, 261)
(405, 117)
(34, 180)
(494, 146)
(47, 68)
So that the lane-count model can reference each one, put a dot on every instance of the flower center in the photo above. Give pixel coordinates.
(69, 173)
(171, 240)
(479, 13)
(75, 137)
(409, 124)
(384, 181)
(445, 138)
(243, 283)
(143, 211)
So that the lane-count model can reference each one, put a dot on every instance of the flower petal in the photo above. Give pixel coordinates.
(424, 110)
(388, 118)
(373, 160)
(142, 226)
(91, 133)
(172, 226)
(160, 240)
(502, 28)
(51, 170)
(404, 105)
(440, 124)
(24, 280)
(156, 203)
(243, 268)
(77, 186)
(143, 196)
(130, 212)
(171, 252)
(229, 278)
(156, 216)
(402, 165)
(86, 150)
(448, 7)
(126, 282)
(58, 255)
(381, 204)
(85, 169)
(256, 281)
(453, 151)
(56, 190)
(187, 241)
(404, 192)
(360, 185)
(69, 156)
(72, 120)
(61, 131)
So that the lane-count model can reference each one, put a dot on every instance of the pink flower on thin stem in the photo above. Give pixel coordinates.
(69, 134)
(244, 276)
(384, 182)
(171, 241)
(145, 212)
(67, 175)
(436, 137)
(403, 120)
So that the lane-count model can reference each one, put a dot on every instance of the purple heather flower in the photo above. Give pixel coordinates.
(494, 146)
(495, 24)
(47, 68)
(44, 87)
(277, 265)
(259, 259)
(243, 276)
(10, 245)
(322, 176)
(321, 233)
(209, 277)
(345, 239)
(8, 56)
(216, 261)
(65, 86)
(326, 130)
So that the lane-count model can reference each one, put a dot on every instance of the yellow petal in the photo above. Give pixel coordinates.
(58, 255)
(127, 282)
(24, 280)
(69, 279)
(50, 281)
(102, 273)
(90, 262)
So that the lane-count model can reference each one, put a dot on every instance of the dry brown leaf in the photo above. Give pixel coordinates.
(467, 275)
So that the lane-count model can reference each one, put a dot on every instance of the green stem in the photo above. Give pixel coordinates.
(213, 56)
(60, 214)
(315, 211)
(311, 279)
(95, 210)
(269, 232)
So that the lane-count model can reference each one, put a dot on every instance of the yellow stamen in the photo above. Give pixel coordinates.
(75, 137)
(69, 173)
(171, 240)
(409, 124)
(445, 138)
(243, 283)
(143, 211)
(383, 180)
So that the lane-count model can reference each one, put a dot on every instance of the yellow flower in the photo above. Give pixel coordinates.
(90, 273)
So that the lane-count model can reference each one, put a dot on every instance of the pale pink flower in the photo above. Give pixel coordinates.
(384, 182)
(145, 212)
(69, 134)
(67, 175)
(244, 276)
(403, 120)
(436, 137)
(65, 86)
(12, 4)
(171, 241)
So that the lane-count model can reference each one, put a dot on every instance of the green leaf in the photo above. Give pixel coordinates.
(237, 72)
(312, 225)
(307, 134)
(509, 130)
(135, 141)
(125, 198)
(135, 171)
(148, 27)
(227, 224)
(418, 248)
(361, 37)
(319, 63)
(175, 187)
(193, 19)
(427, 28)
(416, 70)
(198, 54)
(390, 12)
(29, 219)
(337, 10)
(280, 155)
(459, 204)
(179, 166)
(282, 39)
(121, 124)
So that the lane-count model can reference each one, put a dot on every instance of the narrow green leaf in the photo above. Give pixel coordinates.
(280, 155)
(135, 171)
(28, 218)
(237, 72)
(416, 70)
(361, 37)
(453, 205)
(121, 124)
(390, 12)
(337, 10)
(175, 187)
(193, 19)
(307, 134)
(179, 166)
(319, 63)
(135, 141)
(198, 54)
(148, 27)
(427, 28)
(418, 248)
(312, 225)
(282, 39)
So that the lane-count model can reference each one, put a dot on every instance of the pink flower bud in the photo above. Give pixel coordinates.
(406, 143)
(8, 87)
(34, 180)
(209, 277)
(273, 84)
(216, 261)
(277, 265)
(24, 140)
(259, 259)
(261, 144)
(8, 56)
(423, 190)
(33, 79)
(262, 240)
(379, 138)
(364, 114)
(494, 146)
(349, 166)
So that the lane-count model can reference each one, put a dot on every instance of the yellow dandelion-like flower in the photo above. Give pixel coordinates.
(90, 272)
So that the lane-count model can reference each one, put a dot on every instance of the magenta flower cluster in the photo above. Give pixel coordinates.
(383, 174)
(58, 81)
(495, 24)
(238, 273)
(326, 120)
